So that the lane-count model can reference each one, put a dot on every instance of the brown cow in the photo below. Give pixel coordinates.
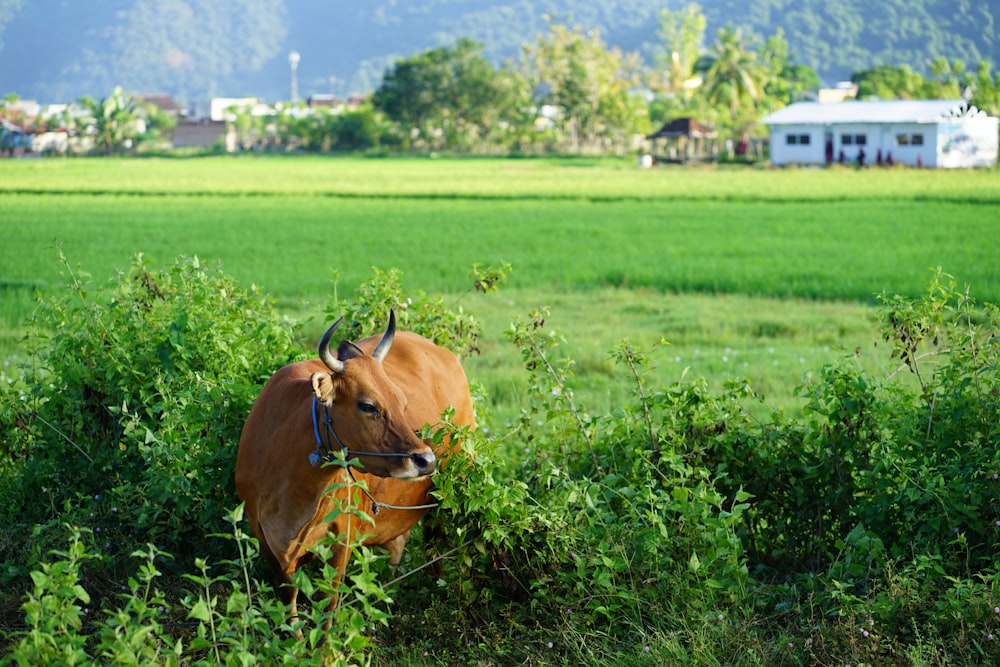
(364, 400)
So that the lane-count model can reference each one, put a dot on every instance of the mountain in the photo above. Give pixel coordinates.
(59, 50)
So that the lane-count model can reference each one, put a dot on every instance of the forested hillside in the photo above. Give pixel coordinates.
(55, 50)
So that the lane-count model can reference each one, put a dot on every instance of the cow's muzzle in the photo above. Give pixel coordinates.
(423, 464)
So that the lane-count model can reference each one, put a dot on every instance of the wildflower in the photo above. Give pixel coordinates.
(996, 476)
(550, 644)
(996, 610)
(646, 649)
(864, 633)
(989, 637)
(721, 617)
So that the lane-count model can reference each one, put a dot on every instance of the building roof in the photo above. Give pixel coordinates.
(869, 111)
(324, 100)
(683, 127)
(166, 103)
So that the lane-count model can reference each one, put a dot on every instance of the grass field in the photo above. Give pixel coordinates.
(487, 178)
(744, 271)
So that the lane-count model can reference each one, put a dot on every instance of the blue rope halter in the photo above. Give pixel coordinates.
(322, 454)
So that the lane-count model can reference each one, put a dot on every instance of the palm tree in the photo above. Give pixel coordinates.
(114, 123)
(733, 75)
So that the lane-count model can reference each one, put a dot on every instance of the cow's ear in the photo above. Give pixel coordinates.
(348, 350)
(323, 387)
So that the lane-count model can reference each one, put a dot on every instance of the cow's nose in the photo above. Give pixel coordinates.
(424, 463)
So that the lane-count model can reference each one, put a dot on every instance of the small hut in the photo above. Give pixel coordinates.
(684, 140)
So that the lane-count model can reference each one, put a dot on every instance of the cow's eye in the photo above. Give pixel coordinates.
(368, 407)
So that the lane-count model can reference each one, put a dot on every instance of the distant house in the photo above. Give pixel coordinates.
(929, 133)
(220, 108)
(684, 140)
(165, 103)
(844, 90)
(15, 139)
(201, 133)
(324, 100)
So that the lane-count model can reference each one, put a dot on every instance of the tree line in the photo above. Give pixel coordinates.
(568, 92)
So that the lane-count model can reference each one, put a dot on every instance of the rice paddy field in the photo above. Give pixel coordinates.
(745, 272)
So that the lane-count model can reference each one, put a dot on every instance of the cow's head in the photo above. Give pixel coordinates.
(367, 408)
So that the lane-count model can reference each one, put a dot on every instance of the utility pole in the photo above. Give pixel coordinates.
(293, 62)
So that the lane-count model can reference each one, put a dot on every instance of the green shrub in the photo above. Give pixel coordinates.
(678, 529)
(448, 326)
(127, 417)
(226, 619)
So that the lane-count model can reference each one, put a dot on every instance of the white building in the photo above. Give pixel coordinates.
(929, 133)
(220, 107)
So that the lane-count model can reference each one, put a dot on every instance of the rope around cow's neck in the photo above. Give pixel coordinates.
(322, 454)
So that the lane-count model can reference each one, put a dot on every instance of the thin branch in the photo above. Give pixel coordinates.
(64, 436)
(915, 359)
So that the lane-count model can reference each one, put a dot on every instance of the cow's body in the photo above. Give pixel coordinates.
(285, 492)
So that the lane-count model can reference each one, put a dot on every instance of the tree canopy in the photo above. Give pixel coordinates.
(570, 91)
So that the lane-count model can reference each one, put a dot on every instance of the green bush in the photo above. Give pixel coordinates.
(226, 620)
(677, 530)
(915, 463)
(128, 414)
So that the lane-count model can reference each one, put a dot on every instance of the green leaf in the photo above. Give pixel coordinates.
(200, 611)
(694, 562)
(81, 594)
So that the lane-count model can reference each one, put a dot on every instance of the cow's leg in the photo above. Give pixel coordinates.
(395, 548)
(287, 592)
(339, 555)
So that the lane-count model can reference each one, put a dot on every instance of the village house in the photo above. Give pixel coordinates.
(920, 133)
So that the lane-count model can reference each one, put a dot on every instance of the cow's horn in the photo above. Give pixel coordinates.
(332, 362)
(383, 346)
